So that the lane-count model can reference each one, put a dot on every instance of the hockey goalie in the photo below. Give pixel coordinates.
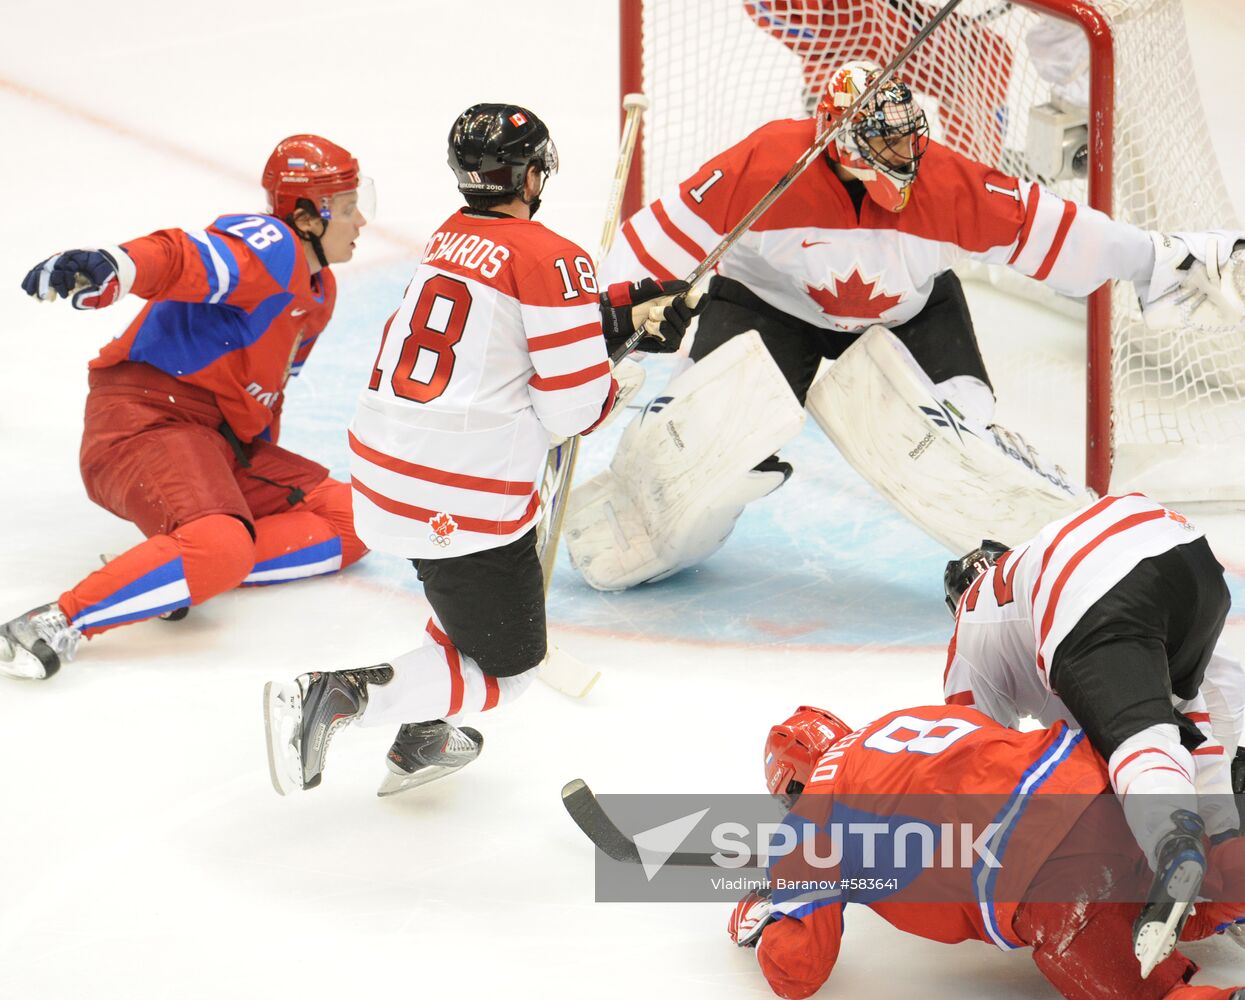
(853, 263)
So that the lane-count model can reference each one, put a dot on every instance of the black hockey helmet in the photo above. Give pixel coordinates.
(960, 573)
(492, 145)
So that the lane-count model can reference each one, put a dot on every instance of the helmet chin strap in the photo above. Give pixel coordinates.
(310, 237)
(534, 204)
(316, 246)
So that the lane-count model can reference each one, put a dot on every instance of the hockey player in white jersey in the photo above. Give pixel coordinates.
(853, 262)
(1110, 619)
(501, 341)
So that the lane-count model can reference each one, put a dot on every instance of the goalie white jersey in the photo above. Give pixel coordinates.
(496, 346)
(814, 257)
(1011, 620)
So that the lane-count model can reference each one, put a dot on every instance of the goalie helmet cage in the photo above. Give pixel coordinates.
(1165, 412)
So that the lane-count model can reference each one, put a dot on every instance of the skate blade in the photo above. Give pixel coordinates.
(283, 715)
(395, 783)
(19, 663)
(1157, 939)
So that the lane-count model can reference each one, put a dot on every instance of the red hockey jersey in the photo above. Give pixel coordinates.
(811, 256)
(904, 759)
(233, 308)
(496, 346)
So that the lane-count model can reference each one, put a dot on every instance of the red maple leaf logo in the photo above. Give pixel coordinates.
(443, 525)
(853, 296)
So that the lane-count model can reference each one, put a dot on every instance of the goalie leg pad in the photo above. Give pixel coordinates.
(957, 480)
(685, 469)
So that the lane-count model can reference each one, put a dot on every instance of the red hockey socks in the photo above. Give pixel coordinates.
(315, 538)
(199, 560)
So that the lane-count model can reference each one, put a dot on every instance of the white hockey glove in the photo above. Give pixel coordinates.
(749, 918)
(1198, 280)
(630, 378)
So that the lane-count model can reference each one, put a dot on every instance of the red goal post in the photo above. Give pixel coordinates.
(1157, 409)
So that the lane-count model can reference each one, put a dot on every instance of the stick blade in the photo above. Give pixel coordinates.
(567, 674)
(588, 815)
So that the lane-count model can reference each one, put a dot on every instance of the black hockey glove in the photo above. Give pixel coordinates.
(663, 305)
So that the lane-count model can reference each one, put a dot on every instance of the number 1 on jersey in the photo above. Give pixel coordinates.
(698, 193)
(436, 326)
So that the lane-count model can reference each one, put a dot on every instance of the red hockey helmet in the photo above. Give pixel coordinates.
(311, 167)
(793, 748)
(886, 137)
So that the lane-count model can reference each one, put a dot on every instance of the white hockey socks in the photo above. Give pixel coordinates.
(1152, 773)
(436, 681)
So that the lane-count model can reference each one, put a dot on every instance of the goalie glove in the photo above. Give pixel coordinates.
(750, 916)
(663, 308)
(90, 279)
(1198, 281)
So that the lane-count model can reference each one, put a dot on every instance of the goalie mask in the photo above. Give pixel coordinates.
(793, 748)
(886, 137)
(961, 573)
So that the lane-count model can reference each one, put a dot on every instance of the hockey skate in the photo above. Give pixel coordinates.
(425, 751)
(32, 645)
(1181, 867)
(301, 718)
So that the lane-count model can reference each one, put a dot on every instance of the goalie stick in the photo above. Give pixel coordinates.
(572, 677)
(588, 815)
(805, 159)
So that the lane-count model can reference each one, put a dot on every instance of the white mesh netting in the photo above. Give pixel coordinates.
(716, 69)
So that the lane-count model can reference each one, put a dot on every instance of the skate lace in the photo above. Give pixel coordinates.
(54, 629)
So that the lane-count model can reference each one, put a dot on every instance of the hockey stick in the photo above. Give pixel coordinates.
(567, 674)
(807, 157)
(588, 815)
(564, 455)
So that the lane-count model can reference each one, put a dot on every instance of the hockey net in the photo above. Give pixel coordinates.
(1096, 99)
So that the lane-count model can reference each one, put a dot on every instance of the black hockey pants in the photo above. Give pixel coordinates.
(491, 604)
(1149, 637)
(940, 336)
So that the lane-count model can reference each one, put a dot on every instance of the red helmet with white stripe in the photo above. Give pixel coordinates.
(886, 137)
(793, 748)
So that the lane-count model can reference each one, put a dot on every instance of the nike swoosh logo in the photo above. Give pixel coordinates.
(816, 243)
(298, 312)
